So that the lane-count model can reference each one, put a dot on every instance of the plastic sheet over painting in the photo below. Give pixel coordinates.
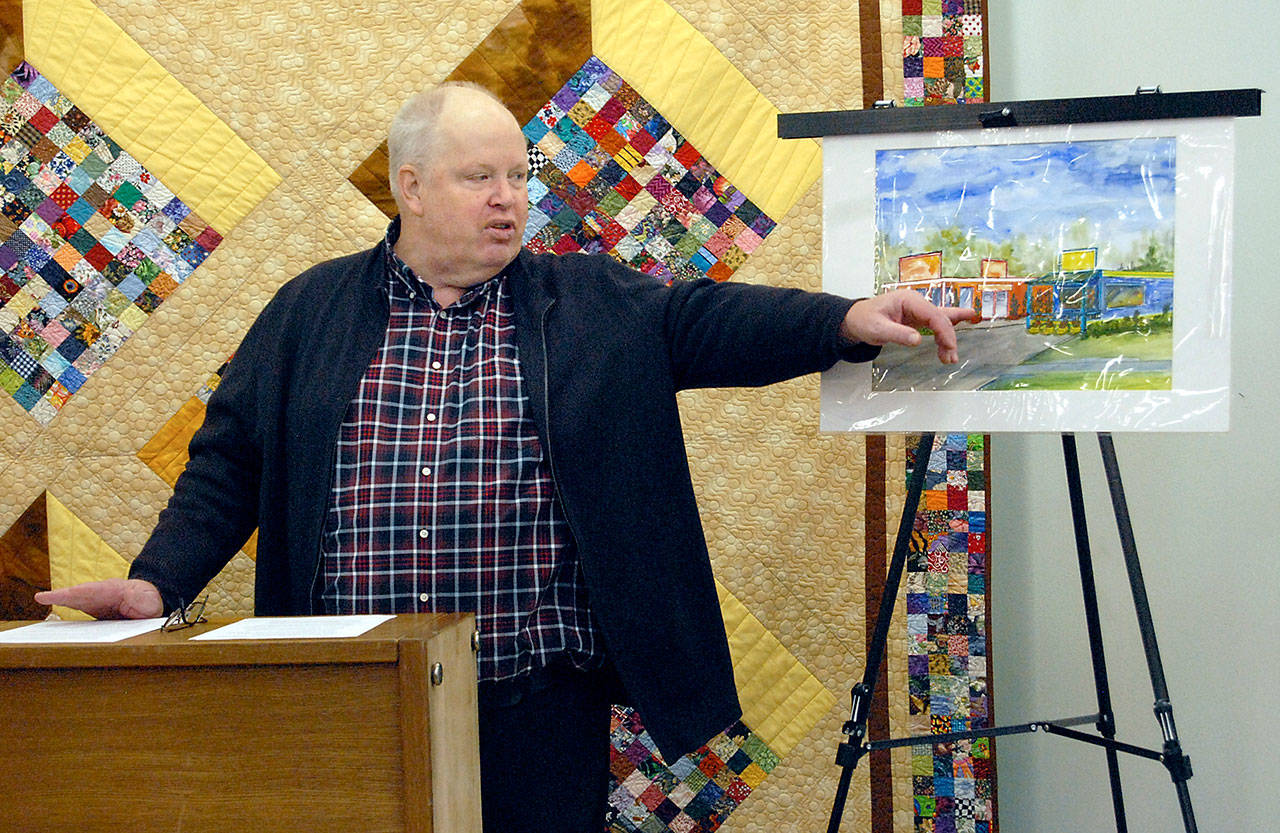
(1098, 257)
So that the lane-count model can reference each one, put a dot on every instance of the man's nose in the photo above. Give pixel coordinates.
(504, 193)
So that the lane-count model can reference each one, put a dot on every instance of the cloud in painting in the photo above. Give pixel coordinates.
(1122, 188)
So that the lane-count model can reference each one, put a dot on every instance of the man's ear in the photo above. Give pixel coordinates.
(411, 188)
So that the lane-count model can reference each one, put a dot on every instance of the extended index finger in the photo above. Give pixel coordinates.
(96, 598)
(61, 596)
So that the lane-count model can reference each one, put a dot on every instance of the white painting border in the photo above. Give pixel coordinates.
(1199, 400)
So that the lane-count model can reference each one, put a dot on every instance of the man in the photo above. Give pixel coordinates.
(448, 422)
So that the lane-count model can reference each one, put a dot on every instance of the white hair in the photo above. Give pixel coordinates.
(415, 130)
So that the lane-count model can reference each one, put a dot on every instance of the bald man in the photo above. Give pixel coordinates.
(447, 422)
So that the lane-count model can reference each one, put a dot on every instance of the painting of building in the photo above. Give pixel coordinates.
(1072, 321)
(1069, 243)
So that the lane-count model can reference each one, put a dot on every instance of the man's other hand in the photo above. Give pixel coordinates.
(896, 318)
(115, 598)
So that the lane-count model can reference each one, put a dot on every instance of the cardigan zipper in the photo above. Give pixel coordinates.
(313, 593)
(315, 574)
(546, 410)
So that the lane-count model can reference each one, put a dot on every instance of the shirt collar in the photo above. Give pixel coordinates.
(400, 272)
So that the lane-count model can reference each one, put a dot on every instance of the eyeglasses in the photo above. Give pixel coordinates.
(185, 617)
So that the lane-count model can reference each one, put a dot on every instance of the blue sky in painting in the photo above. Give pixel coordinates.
(1121, 187)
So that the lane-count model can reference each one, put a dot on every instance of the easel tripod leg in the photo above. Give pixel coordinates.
(1106, 717)
(852, 750)
(1178, 764)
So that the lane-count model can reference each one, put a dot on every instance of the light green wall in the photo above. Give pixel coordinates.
(1204, 507)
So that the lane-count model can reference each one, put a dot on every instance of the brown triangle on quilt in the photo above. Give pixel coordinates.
(527, 57)
(524, 61)
(370, 179)
(24, 563)
(11, 52)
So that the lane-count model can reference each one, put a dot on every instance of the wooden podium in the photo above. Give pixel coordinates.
(158, 733)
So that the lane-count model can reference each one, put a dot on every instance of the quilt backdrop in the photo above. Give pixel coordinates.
(165, 167)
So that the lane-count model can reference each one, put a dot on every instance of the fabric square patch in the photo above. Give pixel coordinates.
(76, 201)
(633, 187)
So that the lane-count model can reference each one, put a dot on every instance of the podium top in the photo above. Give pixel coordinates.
(160, 648)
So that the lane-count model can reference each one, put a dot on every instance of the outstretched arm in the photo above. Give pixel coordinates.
(895, 318)
(114, 598)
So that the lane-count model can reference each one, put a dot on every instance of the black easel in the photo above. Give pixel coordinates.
(1179, 765)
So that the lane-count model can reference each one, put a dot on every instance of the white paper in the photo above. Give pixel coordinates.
(297, 627)
(106, 630)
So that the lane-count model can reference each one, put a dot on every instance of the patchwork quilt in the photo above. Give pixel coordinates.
(165, 167)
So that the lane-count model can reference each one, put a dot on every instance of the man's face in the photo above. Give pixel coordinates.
(476, 200)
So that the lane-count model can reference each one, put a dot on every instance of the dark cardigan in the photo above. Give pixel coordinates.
(603, 351)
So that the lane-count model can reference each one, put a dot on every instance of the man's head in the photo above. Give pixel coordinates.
(458, 170)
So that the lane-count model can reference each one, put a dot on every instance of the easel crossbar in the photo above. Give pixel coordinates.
(994, 732)
(1107, 743)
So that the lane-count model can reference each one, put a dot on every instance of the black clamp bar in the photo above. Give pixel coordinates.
(1145, 104)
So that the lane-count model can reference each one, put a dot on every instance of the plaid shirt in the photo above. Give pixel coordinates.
(442, 498)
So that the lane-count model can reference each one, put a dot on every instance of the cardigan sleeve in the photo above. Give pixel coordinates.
(213, 508)
(736, 334)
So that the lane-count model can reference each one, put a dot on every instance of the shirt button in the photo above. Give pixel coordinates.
(422, 533)
(423, 597)
(435, 365)
(431, 417)
(426, 471)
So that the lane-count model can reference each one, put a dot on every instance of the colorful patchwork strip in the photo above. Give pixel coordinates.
(946, 594)
(943, 54)
(91, 244)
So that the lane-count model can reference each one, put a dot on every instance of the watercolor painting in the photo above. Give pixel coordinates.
(1065, 249)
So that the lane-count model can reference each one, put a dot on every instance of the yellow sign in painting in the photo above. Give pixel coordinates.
(1079, 260)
